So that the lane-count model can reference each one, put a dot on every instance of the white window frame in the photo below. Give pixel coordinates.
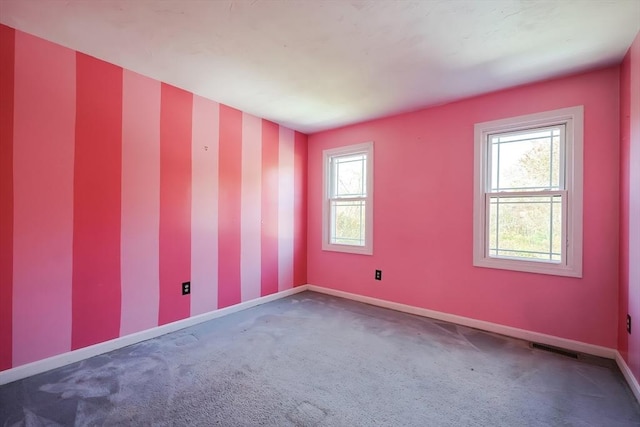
(327, 155)
(573, 119)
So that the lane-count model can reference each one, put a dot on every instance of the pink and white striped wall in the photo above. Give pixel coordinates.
(116, 188)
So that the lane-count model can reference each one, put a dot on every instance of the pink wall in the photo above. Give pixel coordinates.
(43, 202)
(423, 184)
(116, 188)
(629, 345)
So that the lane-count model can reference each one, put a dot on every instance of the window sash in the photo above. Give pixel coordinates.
(549, 194)
(334, 239)
(335, 198)
(491, 160)
(334, 178)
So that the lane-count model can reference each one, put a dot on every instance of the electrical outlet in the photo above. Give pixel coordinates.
(628, 323)
(186, 288)
(378, 274)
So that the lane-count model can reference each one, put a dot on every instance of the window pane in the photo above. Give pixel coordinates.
(556, 166)
(556, 236)
(526, 227)
(349, 178)
(526, 160)
(348, 223)
(493, 228)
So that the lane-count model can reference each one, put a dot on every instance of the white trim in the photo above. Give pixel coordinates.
(60, 360)
(628, 375)
(365, 147)
(573, 117)
(509, 331)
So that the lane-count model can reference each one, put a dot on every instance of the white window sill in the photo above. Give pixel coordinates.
(540, 267)
(360, 250)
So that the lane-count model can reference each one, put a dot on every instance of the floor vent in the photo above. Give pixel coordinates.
(556, 350)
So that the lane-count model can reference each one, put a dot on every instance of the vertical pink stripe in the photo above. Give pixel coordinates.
(300, 211)
(204, 206)
(140, 203)
(45, 96)
(7, 72)
(286, 152)
(230, 177)
(97, 199)
(270, 182)
(250, 194)
(175, 202)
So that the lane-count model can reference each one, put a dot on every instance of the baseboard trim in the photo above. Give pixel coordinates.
(24, 371)
(509, 331)
(628, 375)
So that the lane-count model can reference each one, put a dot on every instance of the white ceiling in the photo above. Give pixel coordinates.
(314, 65)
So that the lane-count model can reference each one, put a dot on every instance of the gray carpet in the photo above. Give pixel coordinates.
(315, 360)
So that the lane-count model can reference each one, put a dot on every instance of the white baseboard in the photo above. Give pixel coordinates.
(509, 331)
(60, 360)
(628, 375)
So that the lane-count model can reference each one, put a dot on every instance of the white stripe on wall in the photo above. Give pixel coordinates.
(204, 205)
(286, 158)
(251, 208)
(140, 210)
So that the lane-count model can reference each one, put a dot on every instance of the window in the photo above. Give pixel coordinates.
(347, 211)
(528, 193)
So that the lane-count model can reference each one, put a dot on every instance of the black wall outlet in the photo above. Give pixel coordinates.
(378, 274)
(628, 323)
(186, 288)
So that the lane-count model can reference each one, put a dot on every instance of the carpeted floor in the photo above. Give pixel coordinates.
(316, 360)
